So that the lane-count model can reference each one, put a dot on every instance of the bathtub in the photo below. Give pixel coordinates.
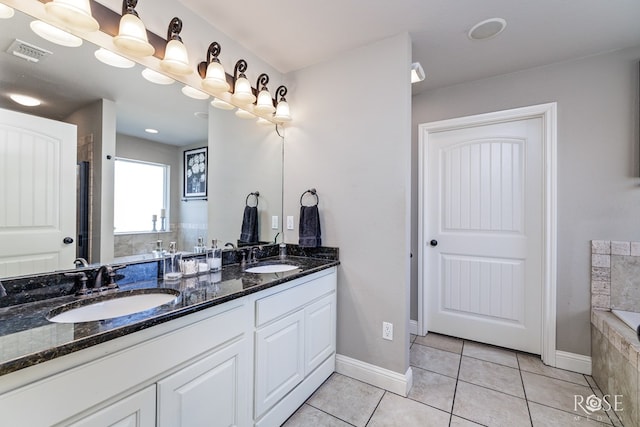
(631, 318)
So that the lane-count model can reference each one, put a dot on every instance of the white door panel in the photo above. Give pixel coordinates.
(484, 208)
(37, 194)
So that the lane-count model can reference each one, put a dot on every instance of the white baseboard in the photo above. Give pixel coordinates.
(413, 327)
(573, 362)
(375, 375)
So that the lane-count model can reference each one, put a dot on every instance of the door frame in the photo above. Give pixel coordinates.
(548, 114)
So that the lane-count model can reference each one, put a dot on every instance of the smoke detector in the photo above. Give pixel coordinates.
(28, 51)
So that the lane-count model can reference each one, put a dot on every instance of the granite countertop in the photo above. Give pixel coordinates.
(28, 338)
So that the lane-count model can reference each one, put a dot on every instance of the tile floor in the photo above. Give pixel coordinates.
(458, 383)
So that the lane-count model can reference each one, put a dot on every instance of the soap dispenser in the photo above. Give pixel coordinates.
(214, 256)
(158, 252)
(172, 269)
(199, 248)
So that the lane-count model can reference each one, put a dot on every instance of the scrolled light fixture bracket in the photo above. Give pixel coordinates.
(212, 72)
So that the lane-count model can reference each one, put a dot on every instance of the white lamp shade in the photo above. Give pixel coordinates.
(282, 112)
(6, 12)
(243, 114)
(194, 93)
(219, 103)
(216, 79)
(156, 77)
(263, 122)
(132, 37)
(74, 14)
(55, 34)
(107, 57)
(264, 105)
(242, 93)
(176, 59)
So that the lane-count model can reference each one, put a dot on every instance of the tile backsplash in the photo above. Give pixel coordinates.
(615, 275)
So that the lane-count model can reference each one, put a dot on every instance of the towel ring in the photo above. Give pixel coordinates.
(255, 194)
(313, 192)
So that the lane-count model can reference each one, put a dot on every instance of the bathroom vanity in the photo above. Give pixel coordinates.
(237, 349)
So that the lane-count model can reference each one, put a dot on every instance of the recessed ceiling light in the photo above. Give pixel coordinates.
(55, 34)
(487, 29)
(219, 103)
(194, 93)
(107, 57)
(6, 12)
(150, 130)
(25, 100)
(156, 77)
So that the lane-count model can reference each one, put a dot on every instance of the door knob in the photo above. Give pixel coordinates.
(67, 240)
(433, 243)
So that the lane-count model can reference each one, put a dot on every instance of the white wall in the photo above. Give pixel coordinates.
(350, 139)
(598, 188)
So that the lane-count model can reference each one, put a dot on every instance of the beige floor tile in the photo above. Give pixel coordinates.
(309, 416)
(490, 353)
(432, 359)
(433, 389)
(441, 342)
(490, 407)
(544, 416)
(556, 393)
(347, 399)
(396, 411)
(533, 364)
(461, 422)
(491, 375)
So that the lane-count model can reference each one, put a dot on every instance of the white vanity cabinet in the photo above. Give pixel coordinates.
(201, 361)
(295, 341)
(137, 410)
(249, 361)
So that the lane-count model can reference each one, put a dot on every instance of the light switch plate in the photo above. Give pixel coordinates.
(290, 222)
(274, 222)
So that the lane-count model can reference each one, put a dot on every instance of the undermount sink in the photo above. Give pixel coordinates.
(108, 307)
(272, 268)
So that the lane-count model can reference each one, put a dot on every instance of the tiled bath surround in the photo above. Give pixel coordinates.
(615, 349)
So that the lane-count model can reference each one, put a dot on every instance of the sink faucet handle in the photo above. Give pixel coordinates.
(82, 277)
(111, 274)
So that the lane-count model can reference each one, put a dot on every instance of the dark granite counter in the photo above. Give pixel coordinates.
(28, 338)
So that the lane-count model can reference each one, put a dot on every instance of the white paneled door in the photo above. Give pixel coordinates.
(483, 231)
(37, 194)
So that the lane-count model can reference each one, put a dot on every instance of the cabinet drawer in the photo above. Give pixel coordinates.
(277, 305)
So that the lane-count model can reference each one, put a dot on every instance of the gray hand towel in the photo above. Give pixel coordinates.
(249, 232)
(309, 234)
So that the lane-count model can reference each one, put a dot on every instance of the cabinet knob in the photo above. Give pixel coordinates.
(67, 240)
(433, 242)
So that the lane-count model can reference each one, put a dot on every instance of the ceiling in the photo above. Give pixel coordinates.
(294, 34)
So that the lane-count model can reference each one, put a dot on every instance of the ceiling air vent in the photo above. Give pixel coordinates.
(28, 51)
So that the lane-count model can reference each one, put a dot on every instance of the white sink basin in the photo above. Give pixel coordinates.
(271, 268)
(109, 308)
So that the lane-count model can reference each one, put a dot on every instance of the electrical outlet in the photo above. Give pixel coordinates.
(387, 331)
(274, 222)
(290, 222)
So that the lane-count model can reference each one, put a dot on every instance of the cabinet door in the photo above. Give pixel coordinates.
(320, 333)
(210, 392)
(279, 360)
(137, 410)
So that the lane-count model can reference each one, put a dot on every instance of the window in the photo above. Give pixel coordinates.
(141, 193)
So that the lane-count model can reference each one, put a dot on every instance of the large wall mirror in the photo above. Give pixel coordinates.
(111, 108)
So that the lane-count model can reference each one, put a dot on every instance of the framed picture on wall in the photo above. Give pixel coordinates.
(195, 173)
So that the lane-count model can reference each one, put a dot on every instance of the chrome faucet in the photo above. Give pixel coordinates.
(80, 262)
